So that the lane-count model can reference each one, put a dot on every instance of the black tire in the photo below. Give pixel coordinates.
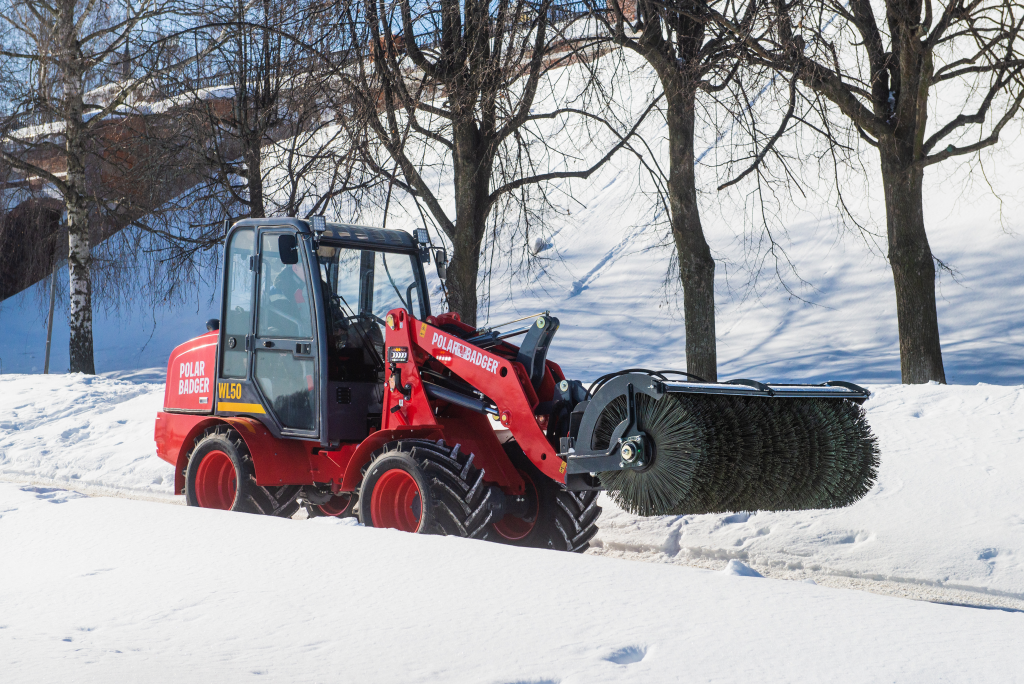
(563, 520)
(249, 497)
(340, 506)
(453, 497)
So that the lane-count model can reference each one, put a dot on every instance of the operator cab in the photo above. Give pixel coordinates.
(302, 344)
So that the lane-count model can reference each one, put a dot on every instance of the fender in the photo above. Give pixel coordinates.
(276, 461)
(175, 435)
(364, 452)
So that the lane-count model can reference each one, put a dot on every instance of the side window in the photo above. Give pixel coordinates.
(284, 293)
(285, 371)
(287, 382)
(348, 278)
(237, 315)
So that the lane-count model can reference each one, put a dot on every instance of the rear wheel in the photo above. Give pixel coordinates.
(427, 488)
(341, 505)
(220, 475)
(556, 518)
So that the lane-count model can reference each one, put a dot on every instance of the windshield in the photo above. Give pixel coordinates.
(360, 287)
(368, 283)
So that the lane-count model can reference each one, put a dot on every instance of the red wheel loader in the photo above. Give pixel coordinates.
(327, 383)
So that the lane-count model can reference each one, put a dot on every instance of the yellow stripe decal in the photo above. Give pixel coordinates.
(239, 407)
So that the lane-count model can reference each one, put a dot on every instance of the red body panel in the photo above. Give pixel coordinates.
(473, 431)
(328, 467)
(492, 374)
(175, 434)
(277, 461)
(190, 371)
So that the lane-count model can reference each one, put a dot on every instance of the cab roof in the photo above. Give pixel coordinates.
(344, 234)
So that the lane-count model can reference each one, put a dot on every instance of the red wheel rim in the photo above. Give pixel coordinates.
(396, 502)
(338, 505)
(216, 482)
(513, 527)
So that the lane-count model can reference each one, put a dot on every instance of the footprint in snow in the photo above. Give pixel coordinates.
(53, 494)
(627, 655)
(97, 571)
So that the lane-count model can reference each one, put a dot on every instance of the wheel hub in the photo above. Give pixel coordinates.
(216, 481)
(336, 505)
(395, 502)
(514, 527)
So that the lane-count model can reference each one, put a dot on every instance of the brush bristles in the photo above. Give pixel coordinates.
(719, 454)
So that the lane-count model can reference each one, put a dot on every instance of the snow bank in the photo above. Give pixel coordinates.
(82, 430)
(103, 590)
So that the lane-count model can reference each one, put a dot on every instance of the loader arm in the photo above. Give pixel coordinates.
(432, 372)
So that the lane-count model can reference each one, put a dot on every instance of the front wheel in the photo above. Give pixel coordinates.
(427, 488)
(221, 475)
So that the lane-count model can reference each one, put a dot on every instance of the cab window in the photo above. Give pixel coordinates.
(360, 287)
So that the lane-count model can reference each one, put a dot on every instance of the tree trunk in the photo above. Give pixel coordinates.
(80, 289)
(79, 249)
(254, 179)
(696, 266)
(472, 177)
(913, 269)
(461, 281)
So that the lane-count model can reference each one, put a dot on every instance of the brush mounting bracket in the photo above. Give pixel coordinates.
(628, 438)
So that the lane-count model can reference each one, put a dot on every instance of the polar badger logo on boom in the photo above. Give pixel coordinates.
(463, 352)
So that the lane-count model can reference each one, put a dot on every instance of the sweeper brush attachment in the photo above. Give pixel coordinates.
(687, 448)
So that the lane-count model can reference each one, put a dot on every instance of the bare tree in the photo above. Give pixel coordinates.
(888, 77)
(692, 55)
(256, 116)
(452, 93)
(55, 55)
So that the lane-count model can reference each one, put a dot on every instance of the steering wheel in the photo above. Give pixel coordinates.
(341, 317)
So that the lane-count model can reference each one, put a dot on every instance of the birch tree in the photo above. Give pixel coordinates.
(56, 53)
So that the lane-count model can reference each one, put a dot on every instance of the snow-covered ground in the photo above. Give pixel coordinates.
(945, 514)
(82, 430)
(94, 589)
(101, 590)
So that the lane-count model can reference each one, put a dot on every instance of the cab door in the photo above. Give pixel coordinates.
(284, 350)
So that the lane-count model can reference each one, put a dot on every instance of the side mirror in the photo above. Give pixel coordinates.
(213, 324)
(441, 262)
(288, 249)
